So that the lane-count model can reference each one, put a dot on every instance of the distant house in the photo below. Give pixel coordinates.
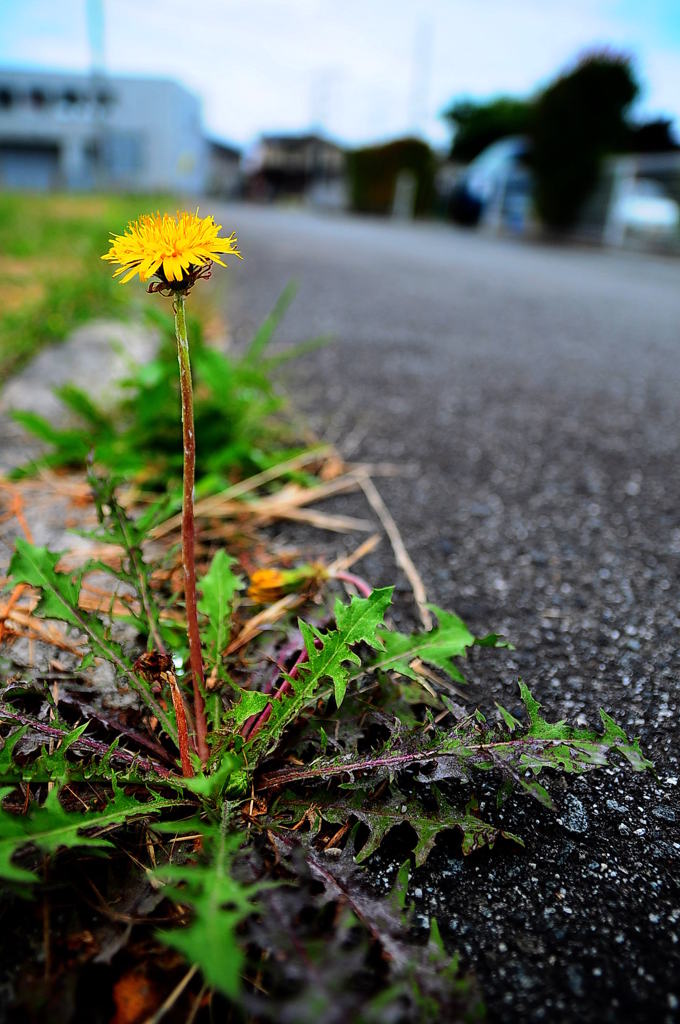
(224, 170)
(297, 166)
(76, 131)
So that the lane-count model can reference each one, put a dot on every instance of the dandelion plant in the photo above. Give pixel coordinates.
(305, 749)
(172, 254)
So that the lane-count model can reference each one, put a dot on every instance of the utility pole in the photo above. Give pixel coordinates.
(421, 69)
(95, 32)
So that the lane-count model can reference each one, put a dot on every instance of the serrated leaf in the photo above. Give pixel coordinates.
(423, 983)
(450, 639)
(471, 744)
(357, 622)
(479, 834)
(538, 726)
(217, 588)
(59, 600)
(219, 903)
(7, 751)
(617, 739)
(328, 660)
(51, 828)
(252, 702)
(362, 617)
(381, 817)
(329, 654)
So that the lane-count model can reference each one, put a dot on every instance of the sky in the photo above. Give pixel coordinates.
(362, 70)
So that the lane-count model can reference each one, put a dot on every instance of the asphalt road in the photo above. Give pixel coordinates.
(536, 391)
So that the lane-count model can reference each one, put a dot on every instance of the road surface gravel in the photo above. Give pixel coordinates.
(535, 391)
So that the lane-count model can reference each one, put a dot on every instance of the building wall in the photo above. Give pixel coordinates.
(224, 173)
(84, 132)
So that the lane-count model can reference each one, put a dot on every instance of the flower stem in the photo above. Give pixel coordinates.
(188, 531)
(349, 577)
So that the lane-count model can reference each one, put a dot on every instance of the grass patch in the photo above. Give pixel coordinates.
(49, 261)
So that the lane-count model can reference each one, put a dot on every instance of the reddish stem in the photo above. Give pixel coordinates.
(188, 529)
(293, 647)
(181, 719)
(296, 647)
(364, 588)
(119, 754)
(264, 715)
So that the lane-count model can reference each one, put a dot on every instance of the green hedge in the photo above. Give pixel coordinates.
(373, 173)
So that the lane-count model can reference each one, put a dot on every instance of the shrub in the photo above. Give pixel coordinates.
(578, 120)
(373, 173)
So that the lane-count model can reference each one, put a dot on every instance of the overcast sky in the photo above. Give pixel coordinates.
(362, 69)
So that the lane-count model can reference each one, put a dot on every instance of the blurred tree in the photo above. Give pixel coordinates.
(373, 172)
(478, 125)
(651, 137)
(572, 125)
(575, 122)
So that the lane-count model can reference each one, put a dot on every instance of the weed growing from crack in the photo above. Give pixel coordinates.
(306, 752)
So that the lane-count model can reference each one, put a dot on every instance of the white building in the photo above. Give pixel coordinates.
(76, 131)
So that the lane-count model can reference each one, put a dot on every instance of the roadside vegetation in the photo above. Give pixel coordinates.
(52, 277)
(219, 805)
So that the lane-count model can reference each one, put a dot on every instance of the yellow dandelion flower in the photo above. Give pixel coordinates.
(175, 250)
(268, 585)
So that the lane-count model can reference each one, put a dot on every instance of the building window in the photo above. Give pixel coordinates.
(120, 156)
(104, 99)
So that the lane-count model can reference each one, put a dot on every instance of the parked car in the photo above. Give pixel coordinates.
(498, 177)
(496, 188)
(644, 208)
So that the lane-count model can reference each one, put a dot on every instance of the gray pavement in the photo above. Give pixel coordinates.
(536, 390)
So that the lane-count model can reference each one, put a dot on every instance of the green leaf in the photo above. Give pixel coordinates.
(329, 661)
(51, 828)
(80, 403)
(219, 903)
(252, 702)
(450, 639)
(71, 444)
(217, 587)
(516, 752)
(511, 722)
(37, 566)
(328, 656)
(210, 786)
(361, 618)
(383, 816)
(303, 348)
(615, 737)
(7, 766)
(59, 600)
(538, 726)
(357, 622)
(265, 332)
(399, 890)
